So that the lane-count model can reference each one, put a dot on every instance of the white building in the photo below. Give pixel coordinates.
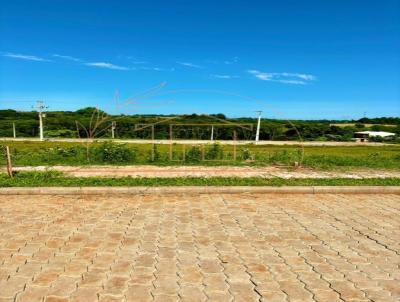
(362, 136)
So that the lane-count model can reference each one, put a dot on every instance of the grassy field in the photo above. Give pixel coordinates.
(322, 157)
(51, 179)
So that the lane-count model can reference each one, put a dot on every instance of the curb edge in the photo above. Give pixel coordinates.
(201, 189)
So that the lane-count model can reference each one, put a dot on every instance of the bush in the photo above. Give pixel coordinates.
(376, 139)
(60, 133)
(109, 152)
(193, 154)
(359, 125)
(246, 154)
(215, 152)
(285, 157)
(67, 152)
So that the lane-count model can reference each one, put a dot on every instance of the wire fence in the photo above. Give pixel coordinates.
(108, 152)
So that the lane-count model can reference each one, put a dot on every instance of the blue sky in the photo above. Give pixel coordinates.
(292, 59)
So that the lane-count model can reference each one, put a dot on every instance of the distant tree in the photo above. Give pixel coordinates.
(88, 111)
(359, 125)
(220, 116)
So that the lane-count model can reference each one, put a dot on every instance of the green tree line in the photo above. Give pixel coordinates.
(63, 124)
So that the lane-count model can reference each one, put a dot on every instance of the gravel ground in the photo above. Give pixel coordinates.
(202, 171)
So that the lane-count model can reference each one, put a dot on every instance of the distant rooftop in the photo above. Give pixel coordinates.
(376, 133)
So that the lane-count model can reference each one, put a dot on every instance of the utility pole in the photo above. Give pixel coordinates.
(14, 132)
(40, 107)
(212, 132)
(258, 126)
(113, 127)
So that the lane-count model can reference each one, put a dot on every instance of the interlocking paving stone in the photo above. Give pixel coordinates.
(200, 247)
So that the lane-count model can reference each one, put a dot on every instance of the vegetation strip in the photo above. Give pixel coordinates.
(108, 153)
(54, 179)
(63, 124)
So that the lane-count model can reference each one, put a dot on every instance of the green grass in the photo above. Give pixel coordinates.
(51, 179)
(321, 157)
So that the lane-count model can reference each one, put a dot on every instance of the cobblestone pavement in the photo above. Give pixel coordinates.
(215, 247)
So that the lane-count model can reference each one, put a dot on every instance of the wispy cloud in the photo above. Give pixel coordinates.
(305, 77)
(188, 64)
(153, 68)
(106, 65)
(233, 61)
(260, 75)
(295, 82)
(70, 58)
(67, 58)
(25, 57)
(224, 76)
(283, 77)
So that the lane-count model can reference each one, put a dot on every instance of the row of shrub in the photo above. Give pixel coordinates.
(115, 153)
(121, 153)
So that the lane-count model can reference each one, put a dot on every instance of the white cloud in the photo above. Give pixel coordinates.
(305, 77)
(152, 68)
(283, 77)
(233, 61)
(25, 57)
(261, 75)
(188, 64)
(295, 82)
(224, 76)
(106, 65)
(67, 58)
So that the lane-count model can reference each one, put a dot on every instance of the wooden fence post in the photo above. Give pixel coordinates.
(170, 142)
(9, 164)
(234, 144)
(152, 142)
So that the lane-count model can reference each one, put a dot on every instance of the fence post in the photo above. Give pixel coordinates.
(234, 145)
(203, 153)
(14, 131)
(113, 127)
(9, 164)
(152, 142)
(170, 142)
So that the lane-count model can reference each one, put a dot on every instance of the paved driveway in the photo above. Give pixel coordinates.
(200, 247)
